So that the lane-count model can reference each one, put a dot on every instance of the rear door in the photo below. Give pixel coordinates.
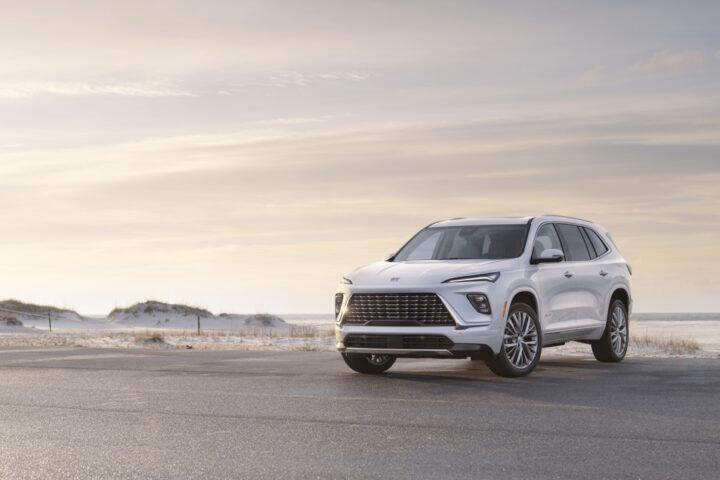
(583, 301)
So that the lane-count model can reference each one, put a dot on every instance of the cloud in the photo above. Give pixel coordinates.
(240, 211)
(592, 77)
(669, 61)
(297, 79)
(131, 89)
(260, 185)
(297, 120)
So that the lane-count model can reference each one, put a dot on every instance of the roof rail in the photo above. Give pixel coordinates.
(445, 220)
(433, 223)
(567, 216)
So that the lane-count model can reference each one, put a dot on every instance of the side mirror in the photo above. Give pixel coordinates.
(389, 257)
(551, 255)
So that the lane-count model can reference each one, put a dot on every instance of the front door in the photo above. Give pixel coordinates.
(555, 283)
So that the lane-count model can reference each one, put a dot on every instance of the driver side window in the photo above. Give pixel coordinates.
(546, 238)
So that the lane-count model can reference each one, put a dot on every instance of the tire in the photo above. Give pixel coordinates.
(370, 364)
(523, 328)
(613, 345)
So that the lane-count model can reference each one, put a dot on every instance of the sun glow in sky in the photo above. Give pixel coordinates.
(242, 156)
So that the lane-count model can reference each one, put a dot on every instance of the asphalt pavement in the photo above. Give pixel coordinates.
(84, 413)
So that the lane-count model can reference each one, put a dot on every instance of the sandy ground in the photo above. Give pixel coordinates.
(706, 333)
(286, 339)
(655, 338)
(651, 339)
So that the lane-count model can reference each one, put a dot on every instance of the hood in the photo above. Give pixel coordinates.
(423, 272)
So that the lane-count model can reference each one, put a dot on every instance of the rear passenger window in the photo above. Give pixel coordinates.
(588, 244)
(600, 247)
(575, 248)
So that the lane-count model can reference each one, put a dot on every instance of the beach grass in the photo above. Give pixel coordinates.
(668, 344)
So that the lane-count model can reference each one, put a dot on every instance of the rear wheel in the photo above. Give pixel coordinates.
(613, 345)
(522, 343)
(371, 364)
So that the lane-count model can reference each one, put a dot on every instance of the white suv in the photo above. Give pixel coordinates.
(492, 289)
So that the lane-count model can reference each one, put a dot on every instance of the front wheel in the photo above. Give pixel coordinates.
(370, 364)
(613, 345)
(522, 343)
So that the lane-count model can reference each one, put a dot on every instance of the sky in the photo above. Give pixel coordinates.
(243, 156)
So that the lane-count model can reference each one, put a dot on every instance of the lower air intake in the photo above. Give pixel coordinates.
(402, 342)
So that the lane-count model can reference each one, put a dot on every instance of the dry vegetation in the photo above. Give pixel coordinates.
(669, 345)
(10, 320)
(296, 338)
(292, 332)
(148, 336)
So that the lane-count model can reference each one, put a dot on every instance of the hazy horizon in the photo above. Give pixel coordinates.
(243, 156)
(330, 315)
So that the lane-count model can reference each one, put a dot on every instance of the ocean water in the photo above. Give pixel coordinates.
(670, 317)
(310, 319)
(327, 319)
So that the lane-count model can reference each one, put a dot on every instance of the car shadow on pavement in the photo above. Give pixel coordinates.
(476, 375)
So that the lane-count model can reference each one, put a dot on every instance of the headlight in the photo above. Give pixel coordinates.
(479, 302)
(346, 281)
(483, 277)
(338, 304)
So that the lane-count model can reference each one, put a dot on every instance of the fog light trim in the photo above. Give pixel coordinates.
(480, 302)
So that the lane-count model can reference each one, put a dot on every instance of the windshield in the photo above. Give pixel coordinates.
(475, 242)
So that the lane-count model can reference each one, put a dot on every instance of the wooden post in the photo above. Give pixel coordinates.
(198, 317)
(50, 319)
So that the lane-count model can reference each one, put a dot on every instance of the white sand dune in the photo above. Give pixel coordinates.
(162, 315)
(150, 314)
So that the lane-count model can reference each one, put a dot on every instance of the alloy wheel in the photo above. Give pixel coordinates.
(618, 331)
(521, 340)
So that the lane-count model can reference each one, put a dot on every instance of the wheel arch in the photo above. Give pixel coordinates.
(620, 293)
(525, 296)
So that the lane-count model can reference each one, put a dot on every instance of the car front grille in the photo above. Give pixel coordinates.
(397, 309)
(399, 342)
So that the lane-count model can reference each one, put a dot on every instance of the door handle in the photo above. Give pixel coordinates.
(568, 274)
(603, 273)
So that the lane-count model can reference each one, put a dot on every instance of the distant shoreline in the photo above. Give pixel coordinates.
(675, 317)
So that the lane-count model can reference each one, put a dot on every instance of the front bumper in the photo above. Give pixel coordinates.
(463, 343)
(473, 335)
(411, 346)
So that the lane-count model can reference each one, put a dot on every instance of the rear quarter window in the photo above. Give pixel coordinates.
(597, 243)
